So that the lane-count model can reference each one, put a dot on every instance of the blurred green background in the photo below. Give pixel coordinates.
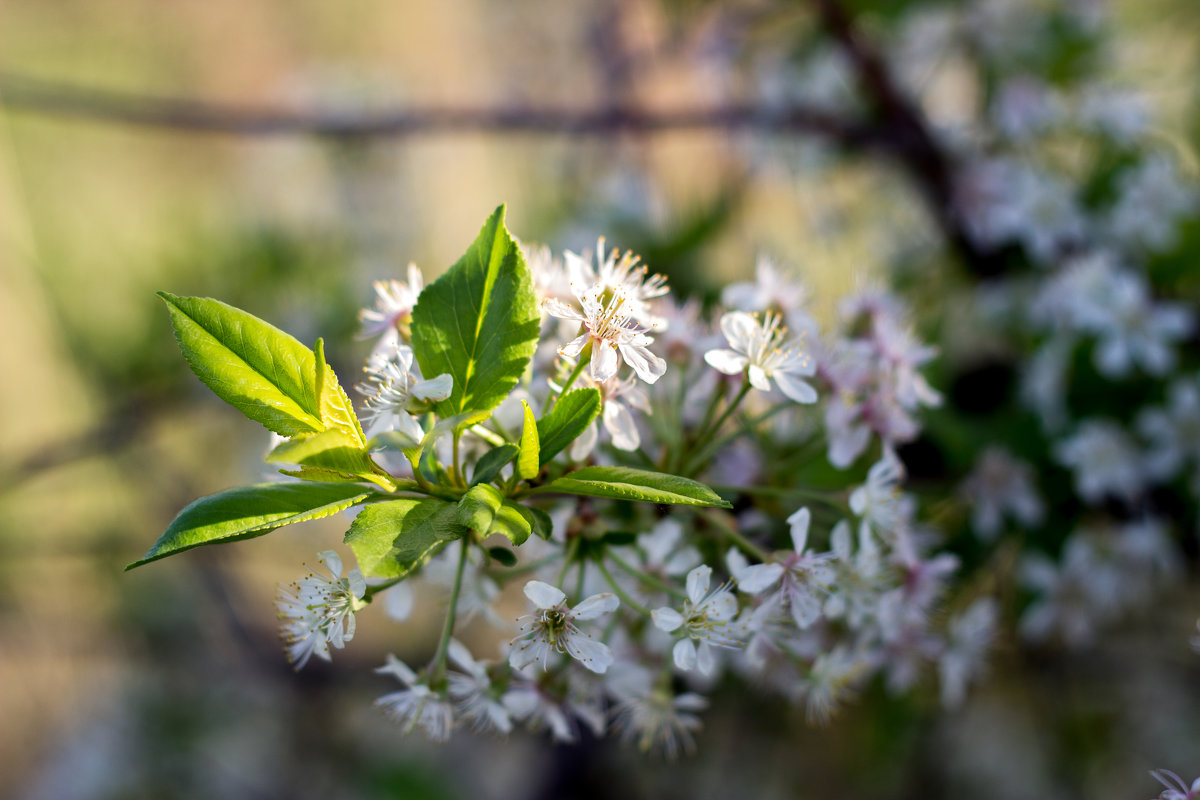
(169, 682)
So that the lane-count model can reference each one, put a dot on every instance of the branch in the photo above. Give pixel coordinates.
(20, 93)
(911, 141)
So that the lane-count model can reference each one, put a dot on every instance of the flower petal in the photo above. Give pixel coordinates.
(799, 522)
(726, 361)
(796, 389)
(684, 654)
(697, 583)
(758, 577)
(592, 654)
(759, 379)
(596, 605)
(621, 426)
(544, 595)
(666, 619)
(604, 361)
(573, 348)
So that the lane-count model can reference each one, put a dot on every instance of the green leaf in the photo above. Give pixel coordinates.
(331, 451)
(479, 506)
(250, 511)
(626, 483)
(539, 521)
(255, 367)
(484, 510)
(337, 412)
(503, 555)
(528, 465)
(395, 537)
(490, 463)
(569, 417)
(478, 322)
(511, 521)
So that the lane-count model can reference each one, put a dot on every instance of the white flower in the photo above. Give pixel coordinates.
(552, 628)
(1001, 484)
(967, 643)
(393, 391)
(879, 502)
(1176, 788)
(804, 577)
(1173, 432)
(653, 716)
(611, 329)
(772, 290)
(761, 347)
(318, 610)
(620, 272)
(477, 700)
(704, 623)
(394, 301)
(663, 552)
(829, 682)
(1105, 461)
(1151, 199)
(416, 704)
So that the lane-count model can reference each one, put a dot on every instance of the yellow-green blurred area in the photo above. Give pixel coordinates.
(168, 681)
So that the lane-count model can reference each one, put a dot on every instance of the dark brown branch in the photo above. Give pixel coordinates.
(25, 94)
(909, 139)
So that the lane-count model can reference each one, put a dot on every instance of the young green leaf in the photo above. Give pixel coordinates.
(333, 450)
(626, 483)
(393, 538)
(484, 510)
(570, 417)
(528, 464)
(250, 511)
(490, 463)
(479, 506)
(337, 412)
(478, 322)
(255, 367)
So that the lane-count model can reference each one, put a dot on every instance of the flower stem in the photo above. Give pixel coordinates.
(702, 443)
(645, 577)
(737, 538)
(584, 358)
(438, 673)
(621, 593)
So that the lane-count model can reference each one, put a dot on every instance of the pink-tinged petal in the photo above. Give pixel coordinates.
(620, 425)
(557, 308)
(543, 595)
(738, 328)
(685, 655)
(704, 659)
(805, 607)
(398, 602)
(596, 605)
(573, 348)
(592, 654)
(759, 379)
(604, 361)
(794, 388)
(666, 619)
(697, 583)
(726, 361)
(758, 577)
(648, 366)
(582, 447)
(799, 522)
